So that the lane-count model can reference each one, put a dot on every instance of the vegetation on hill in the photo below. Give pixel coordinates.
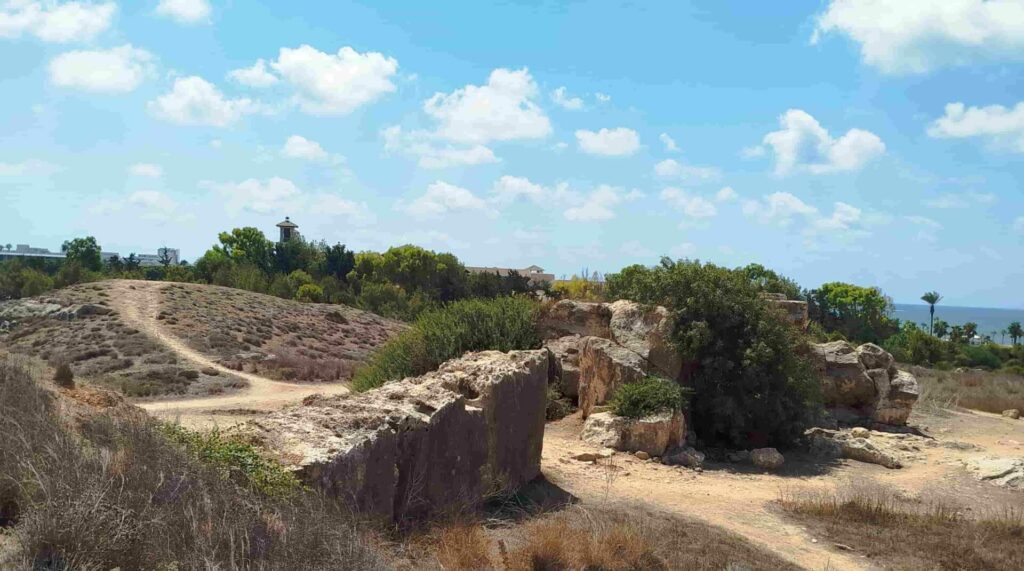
(651, 395)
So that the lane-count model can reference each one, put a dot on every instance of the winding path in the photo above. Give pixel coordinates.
(138, 303)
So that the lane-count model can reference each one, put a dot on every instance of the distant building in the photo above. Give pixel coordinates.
(289, 230)
(535, 273)
(26, 251)
(173, 257)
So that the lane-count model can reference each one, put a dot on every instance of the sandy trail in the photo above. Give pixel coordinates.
(138, 303)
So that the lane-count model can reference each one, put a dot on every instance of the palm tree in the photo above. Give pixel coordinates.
(931, 298)
(1015, 331)
(970, 330)
(8, 246)
(1002, 340)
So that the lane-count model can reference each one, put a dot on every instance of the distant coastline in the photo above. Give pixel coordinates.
(990, 320)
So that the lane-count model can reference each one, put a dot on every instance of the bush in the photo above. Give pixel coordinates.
(309, 293)
(971, 356)
(648, 396)
(501, 324)
(64, 376)
(914, 345)
(752, 383)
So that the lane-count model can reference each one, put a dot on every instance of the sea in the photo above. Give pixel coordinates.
(990, 320)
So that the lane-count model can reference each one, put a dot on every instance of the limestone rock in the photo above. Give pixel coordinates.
(847, 444)
(846, 379)
(874, 357)
(647, 332)
(641, 455)
(860, 432)
(570, 317)
(767, 458)
(1006, 472)
(1012, 413)
(862, 385)
(565, 363)
(895, 406)
(473, 428)
(653, 434)
(794, 311)
(688, 457)
(604, 367)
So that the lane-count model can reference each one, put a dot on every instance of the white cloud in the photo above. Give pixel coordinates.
(335, 84)
(156, 206)
(117, 70)
(602, 98)
(752, 152)
(298, 147)
(562, 99)
(442, 198)
(671, 168)
(915, 36)
(56, 22)
(726, 194)
(994, 122)
(669, 142)
(779, 208)
(600, 204)
(147, 170)
(256, 75)
(261, 197)
(692, 206)
(684, 250)
(195, 101)
(508, 189)
(964, 200)
(926, 227)
(185, 11)
(355, 213)
(434, 155)
(503, 110)
(616, 142)
(27, 168)
(846, 222)
(635, 249)
(844, 217)
(804, 145)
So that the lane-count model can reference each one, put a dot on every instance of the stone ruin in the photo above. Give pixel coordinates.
(862, 386)
(794, 311)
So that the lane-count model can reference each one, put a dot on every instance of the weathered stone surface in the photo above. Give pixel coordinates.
(1012, 413)
(1006, 472)
(411, 447)
(862, 385)
(604, 367)
(794, 311)
(653, 434)
(565, 363)
(688, 457)
(895, 406)
(18, 309)
(874, 357)
(767, 458)
(646, 331)
(569, 317)
(851, 445)
(846, 379)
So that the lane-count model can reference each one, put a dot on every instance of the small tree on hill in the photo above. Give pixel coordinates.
(64, 376)
(1015, 331)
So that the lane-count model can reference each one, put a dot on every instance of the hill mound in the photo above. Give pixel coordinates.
(155, 338)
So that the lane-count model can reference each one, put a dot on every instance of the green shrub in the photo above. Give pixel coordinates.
(235, 460)
(64, 376)
(501, 324)
(752, 383)
(648, 396)
(309, 293)
(971, 356)
(914, 345)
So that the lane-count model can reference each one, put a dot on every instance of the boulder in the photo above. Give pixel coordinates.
(874, 357)
(862, 385)
(688, 457)
(767, 458)
(1006, 472)
(894, 407)
(653, 434)
(852, 445)
(570, 317)
(471, 429)
(565, 363)
(604, 367)
(646, 331)
(1012, 413)
(845, 378)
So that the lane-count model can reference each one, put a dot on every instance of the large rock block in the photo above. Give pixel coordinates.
(653, 435)
(862, 385)
(845, 379)
(646, 331)
(565, 363)
(895, 405)
(793, 311)
(570, 317)
(473, 428)
(604, 367)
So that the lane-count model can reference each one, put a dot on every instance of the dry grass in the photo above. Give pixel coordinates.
(978, 390)
(908, 533)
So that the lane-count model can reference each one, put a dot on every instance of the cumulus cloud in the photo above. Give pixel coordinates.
(600, 204)
(915, 36)
(669, 142)
(117, 70)
(804, 145)
(565, 101)
(995, 123)
(195, 101)
(964, 200)
(504, 109)
(335, 84)
(298, 147)
(258, 196)
(32, 167)
(257, 75)
(726, 194)
(673, 169)
(692, 206)
(779, 208)
(56, 22)
(355, 213)
(442, 198)
(147, 170)
(185, 11)
(508, 189)
(434, 154)
(602, 97)
(616, 142)
(783, 209)
(157, 207)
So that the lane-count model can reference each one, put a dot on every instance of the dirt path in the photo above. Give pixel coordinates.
(138, 302)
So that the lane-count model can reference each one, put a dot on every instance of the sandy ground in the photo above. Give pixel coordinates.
(138, 302)
(738, 499)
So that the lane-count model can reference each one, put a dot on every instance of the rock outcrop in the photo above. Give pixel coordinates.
(1005, 472)
(767, 458)
(653, 435)
(862, 385)
(854, 445)
(647, 332)
(412, 447)
(570, 317)
(565, 363)
(794, 311)
(604, 367)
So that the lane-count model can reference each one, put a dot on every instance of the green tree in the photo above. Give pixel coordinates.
(1015, 332)
(970, 330)
(931, 298)
(338, 261)
(940, 328)
(309, 293)
(859, 313)
(956, 334)
(85, 251)
(771, 282)
(247, 245)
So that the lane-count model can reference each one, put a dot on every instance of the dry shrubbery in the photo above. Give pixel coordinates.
(114, 492)
(907, 534)
(978, 390)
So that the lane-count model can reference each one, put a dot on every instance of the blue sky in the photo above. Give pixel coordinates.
(872, 141)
